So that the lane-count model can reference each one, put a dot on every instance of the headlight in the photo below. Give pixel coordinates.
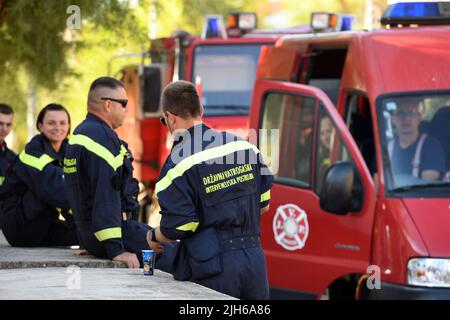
(429, 272)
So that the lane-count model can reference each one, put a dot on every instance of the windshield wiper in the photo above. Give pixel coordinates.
(441, 184)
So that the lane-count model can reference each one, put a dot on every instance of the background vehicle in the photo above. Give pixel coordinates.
(222, 63)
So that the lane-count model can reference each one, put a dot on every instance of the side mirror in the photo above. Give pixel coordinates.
(341, 190)
(151, 87)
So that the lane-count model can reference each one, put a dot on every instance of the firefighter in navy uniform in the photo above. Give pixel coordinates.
(33, 195)
(211, 190)
(98, 176)
(7, 157)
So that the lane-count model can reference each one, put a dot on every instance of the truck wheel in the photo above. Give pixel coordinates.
(342, 289)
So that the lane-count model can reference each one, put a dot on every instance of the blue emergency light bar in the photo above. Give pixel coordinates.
(346, 23)
(214, 27)
(419, 13)
(331, 22)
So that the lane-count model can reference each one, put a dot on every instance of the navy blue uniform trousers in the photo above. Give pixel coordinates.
(43, 230)
(249, 262)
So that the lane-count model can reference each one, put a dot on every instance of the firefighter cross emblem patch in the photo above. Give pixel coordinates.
(290, 227)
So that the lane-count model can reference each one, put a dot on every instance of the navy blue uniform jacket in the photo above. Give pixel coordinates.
(35, 183)
(7, 157)
(98, 171)
(216, 182)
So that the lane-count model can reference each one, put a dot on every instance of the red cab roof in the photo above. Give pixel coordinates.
(387, 61)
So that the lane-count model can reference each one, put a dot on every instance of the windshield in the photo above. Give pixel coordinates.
(227, 74)
(415, 133)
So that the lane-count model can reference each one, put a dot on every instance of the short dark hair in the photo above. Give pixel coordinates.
(410, 101)
(51, 107)
(106, 82)
(6, 109)
(181, 98)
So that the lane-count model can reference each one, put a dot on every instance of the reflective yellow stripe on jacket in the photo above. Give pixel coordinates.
(99, 150)
(32, 161)
(265, 196)
(191, 226)
(60, 211)
(199, 157)
(110, 233)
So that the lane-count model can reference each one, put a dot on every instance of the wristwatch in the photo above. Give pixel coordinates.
(153, 235)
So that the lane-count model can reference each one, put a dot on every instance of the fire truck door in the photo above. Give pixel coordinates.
(301, 137)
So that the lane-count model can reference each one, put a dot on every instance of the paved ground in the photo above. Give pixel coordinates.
(55, 273)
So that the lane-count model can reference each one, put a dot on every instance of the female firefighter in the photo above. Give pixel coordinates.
(33, 197)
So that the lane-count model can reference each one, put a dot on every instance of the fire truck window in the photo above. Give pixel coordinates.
(293, 117)
(359, 122)
(325, 70)
(151, 85)
(227, 74)
(330, 147)
(414, 135)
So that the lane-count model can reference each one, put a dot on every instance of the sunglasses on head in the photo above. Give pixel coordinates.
(123, 102)
(163, 118)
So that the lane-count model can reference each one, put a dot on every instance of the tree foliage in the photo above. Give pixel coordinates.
(32, 34)
(37, 49)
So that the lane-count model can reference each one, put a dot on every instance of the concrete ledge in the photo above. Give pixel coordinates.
(19, 258)
(95, 284)
(43, 273)
(16, 258)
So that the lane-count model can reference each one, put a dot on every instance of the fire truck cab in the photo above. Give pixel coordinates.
(356, 128)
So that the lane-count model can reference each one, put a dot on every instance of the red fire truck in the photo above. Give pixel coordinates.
(357, 132)
(222, 63)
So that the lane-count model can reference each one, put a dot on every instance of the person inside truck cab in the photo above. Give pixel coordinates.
(326, 134)
(304, 147)
(412, 152)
